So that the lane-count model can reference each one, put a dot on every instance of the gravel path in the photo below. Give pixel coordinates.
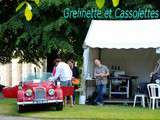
(2, 117)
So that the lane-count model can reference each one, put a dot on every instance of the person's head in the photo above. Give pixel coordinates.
(57, 60)
(70, 63)
(97, 62)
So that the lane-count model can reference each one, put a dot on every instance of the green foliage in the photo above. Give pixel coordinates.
(90, 4)
(37, 2)
(55, 25)
(28, 8)
(20, 6)
(100, 3)
(34, 40)
(56, 3)
(115, 3)
(48, 30)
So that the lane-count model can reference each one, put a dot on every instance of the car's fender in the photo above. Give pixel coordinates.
(20, 95)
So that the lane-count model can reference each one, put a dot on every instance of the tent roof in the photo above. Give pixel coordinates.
(123, 34)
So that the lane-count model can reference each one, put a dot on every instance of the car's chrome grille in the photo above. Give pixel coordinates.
(39, 93)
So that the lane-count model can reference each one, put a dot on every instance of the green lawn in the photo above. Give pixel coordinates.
(111, 112)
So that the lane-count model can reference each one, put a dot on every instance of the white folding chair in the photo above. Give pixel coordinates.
(142, 96)
(154, 94)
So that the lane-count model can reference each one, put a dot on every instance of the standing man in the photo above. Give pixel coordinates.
(62, 72)
(100, 73)
(75, 76)
(75, 71)
(155, 75)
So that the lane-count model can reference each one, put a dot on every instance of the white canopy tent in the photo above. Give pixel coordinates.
(130, 44)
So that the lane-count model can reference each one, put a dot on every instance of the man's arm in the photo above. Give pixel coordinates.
(107, 72)
(96, 74)
(57, 74)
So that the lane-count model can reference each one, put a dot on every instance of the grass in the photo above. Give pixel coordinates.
(110, 112)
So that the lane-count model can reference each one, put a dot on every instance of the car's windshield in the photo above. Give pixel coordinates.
(38, 77)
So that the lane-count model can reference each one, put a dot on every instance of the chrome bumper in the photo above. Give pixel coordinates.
(39, 102)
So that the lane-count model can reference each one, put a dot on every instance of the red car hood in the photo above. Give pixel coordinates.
(45, 84)
(11, 92)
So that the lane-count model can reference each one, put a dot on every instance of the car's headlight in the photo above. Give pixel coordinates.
(28, 92)
(51, 91)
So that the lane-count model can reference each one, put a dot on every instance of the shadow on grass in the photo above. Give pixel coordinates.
(38, 108)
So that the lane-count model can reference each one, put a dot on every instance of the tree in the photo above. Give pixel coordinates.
(48, 30)
(33, 40)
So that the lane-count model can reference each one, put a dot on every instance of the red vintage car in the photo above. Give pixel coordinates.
(37, 89)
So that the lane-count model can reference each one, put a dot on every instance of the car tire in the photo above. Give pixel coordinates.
(20, 108)
(59, 106)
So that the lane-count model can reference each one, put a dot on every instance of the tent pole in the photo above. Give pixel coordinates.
(99, 53)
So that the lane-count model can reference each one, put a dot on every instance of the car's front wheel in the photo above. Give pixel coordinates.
(59, 106)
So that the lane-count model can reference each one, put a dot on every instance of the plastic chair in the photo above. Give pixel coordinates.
(154, 94)
(141, 93)
(157, 81)
(142, 96)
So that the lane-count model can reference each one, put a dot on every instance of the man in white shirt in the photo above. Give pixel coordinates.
(63, 73)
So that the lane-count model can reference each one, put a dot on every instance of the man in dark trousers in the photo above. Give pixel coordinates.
(155, 75)
(100, 73)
